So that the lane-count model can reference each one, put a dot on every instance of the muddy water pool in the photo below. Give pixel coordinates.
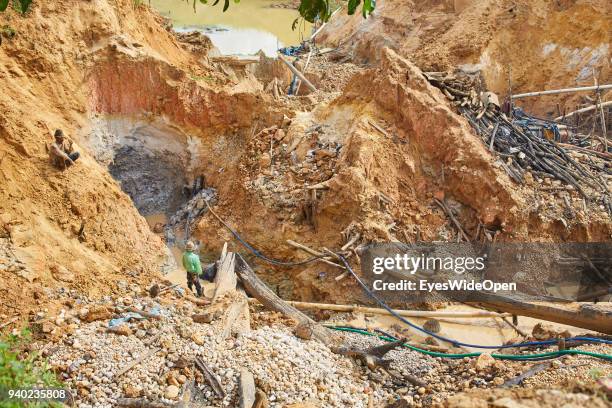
(244, 29)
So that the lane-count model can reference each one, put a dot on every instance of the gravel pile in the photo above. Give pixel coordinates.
(288, 369)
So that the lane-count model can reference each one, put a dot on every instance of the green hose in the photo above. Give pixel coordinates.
(539, 356)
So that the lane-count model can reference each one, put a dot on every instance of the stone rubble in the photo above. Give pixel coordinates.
(287, 369)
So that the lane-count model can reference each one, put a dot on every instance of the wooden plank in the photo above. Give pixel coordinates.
(225, 281)
(246, 390)
(243, 322)
(231, 317)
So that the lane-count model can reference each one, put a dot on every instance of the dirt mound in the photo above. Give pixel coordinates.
(76, 228)
(545, 44)
(372, 162)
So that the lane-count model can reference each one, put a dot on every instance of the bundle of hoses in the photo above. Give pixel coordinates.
(515, 357)
(532, 357)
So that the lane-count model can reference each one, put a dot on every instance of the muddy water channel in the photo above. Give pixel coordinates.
(246, 28)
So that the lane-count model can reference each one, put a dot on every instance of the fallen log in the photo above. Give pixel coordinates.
(405, 313)
(258, 289)
(585, 317)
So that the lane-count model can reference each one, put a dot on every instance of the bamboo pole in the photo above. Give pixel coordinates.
(297, 88)
(324, 24)
(583, 110)
(404, 313)
(297, 73)
(565, 90)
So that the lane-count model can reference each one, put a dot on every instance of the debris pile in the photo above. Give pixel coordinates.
(153, 359)
(195, 41)
(188, 212)
(173, 349)
(292, 163)
(522, 146)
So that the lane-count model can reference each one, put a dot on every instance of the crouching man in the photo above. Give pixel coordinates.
(61, 151)
(191, 263)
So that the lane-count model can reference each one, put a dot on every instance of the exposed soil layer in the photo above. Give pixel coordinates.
(383, 141)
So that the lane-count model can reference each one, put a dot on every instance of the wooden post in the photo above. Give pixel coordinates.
(603, 118)
(297, 73)
(225, 281)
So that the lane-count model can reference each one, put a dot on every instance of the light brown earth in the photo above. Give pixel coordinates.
(382, 139)
(543, 44)
(114, 60)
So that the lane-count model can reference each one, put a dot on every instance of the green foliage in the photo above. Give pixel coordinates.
(310, 10)
(20, 5)
(7, 31)
(313, 10)
(23, 5)
(20, 370)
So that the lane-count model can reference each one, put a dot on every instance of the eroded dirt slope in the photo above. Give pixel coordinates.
(545, 44)
(372, 162)
(43, 86)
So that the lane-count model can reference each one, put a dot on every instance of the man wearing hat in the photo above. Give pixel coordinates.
(61, 151)
(191, 263)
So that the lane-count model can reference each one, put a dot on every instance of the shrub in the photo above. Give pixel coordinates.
(22, 369)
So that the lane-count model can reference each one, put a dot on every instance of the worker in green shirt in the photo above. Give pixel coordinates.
(191, 263)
